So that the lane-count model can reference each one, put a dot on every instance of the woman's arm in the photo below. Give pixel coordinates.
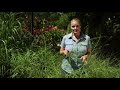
(64, 51)
(88, 52)
(86, 56)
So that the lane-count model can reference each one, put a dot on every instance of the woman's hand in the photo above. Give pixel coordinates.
(84, 58)
(65, 52)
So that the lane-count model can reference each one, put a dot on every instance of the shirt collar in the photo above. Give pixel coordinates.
(82, 36)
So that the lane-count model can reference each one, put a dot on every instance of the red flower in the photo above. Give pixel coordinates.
(62, 30)
(53, 28)
(47, 28)
(35, 31)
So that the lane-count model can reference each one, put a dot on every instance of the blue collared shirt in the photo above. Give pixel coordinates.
(76, 49)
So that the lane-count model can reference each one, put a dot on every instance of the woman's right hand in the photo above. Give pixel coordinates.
(66, 52)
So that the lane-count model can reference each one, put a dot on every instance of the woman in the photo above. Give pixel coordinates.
(76, 46)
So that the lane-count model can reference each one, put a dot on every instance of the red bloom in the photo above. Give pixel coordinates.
(35, 31)
(47, 28)
(53, 28)
(62, 30)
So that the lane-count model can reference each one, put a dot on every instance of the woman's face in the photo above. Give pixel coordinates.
(75, 26)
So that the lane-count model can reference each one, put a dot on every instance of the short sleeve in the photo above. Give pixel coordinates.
(89, 43)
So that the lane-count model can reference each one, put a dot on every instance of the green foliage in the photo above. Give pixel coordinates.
(63, 22)
(26, 54)
(45, 64)
(54, 36)
(40, 64)
(96, 68)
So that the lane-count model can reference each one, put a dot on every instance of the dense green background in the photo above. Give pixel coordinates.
(28, 52)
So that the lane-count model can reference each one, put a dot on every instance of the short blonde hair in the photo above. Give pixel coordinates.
(76, 19)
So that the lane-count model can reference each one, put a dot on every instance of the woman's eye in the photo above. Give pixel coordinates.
(73, 26)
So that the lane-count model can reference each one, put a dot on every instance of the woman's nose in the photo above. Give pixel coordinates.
(75, 27)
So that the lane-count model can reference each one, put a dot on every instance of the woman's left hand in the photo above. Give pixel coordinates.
(84, 58)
